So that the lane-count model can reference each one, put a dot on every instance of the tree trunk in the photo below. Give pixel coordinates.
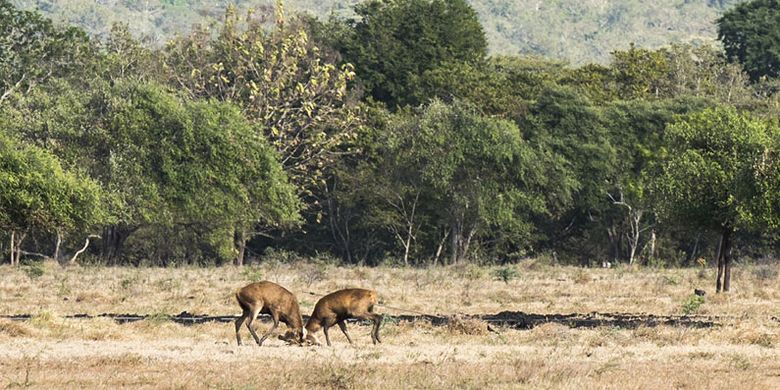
(72, 261)
(695, 249)
(719, 260)
(455, 240)
(13, 236)
(651, 255)
(113, 239)
(467, 244)
(239, 236)
(340, 237)
(407, 244)
(727, 245)
(613, 237)
(440, 248)
(57, 246)
(18, 246)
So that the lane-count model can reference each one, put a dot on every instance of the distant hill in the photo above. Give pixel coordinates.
(579, 31)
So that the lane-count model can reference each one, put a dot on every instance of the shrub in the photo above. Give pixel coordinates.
(252, 274)
(506, 274)
(33, 270)
(279, 255)
(312, 272)
(765, 273)
(692, 304)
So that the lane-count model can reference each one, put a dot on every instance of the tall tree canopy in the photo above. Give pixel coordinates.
(722, 173)
(394, 43)
(38, 195)
(33, 49)
(166, 162)
(291, 93)
(750, 33)
(486, 179)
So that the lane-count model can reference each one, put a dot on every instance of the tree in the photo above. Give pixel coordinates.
(639, 72)
(291, 93)
(37, 194)
(569, 128)
(393, 43)
(750, 33)
(721, 172)
(175, 171)
(33, 50)
(482, 179)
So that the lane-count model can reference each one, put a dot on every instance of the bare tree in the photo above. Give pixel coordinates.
(634, 217)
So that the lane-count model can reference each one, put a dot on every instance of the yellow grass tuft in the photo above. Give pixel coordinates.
(467, 326)
(14, 329)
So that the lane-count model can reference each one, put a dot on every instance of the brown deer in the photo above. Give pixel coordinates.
(269, 298)
(337, 307)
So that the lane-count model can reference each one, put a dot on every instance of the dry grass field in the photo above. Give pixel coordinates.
(49, 351)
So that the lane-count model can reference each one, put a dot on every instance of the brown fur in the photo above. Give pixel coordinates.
(268, 298)
(337, 307)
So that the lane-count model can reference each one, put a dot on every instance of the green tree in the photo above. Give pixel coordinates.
(38, 195)
(194, 170)
(283, 84)
(636, 128)
(394, 43)
(481, 177)
(750, 33)
(33, 49)
(721, 172)
(640, 73)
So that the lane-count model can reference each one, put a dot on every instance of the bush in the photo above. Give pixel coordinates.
(506, 274)
(33, 270)
(765, 273)
(252, 274)
(283, 256)
(312, 272)
(692, 304)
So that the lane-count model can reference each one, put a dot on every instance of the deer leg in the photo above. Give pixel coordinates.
(239, 322)
(275, 317)
(252, 317)
(377, 323)
(325, 330)
(342, 324)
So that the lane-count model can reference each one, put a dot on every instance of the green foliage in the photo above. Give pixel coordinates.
(33, 270)
(573, 131)
(165, 161)
(639, 72)
(506, 274)
(692, 304)
(290, 93)
(394, 45)
(36, 192)
(481, 179)
(720, 171)
(183, 153)
(252, 274)
(751, 34)
(33, 49)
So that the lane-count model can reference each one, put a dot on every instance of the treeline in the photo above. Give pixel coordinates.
(392, 136)
(579, 32)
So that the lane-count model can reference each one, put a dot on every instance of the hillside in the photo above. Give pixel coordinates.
(580, 31)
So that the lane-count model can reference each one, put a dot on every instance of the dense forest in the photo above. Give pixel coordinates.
(390, 136)
(577, 31)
